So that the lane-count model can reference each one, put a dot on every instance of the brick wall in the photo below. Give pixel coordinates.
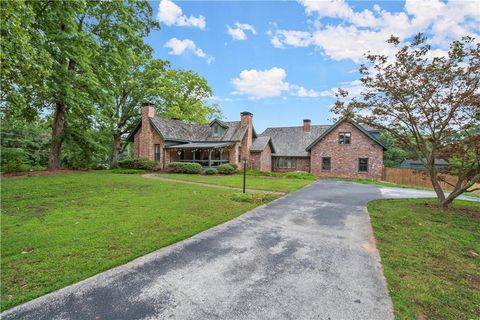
(147, 137)
(262, 160)
(344, 157)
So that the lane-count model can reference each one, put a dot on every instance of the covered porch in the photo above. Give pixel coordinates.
(207, 154)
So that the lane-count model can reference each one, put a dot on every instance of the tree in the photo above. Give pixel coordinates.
(183, 94)
(430, 105)
(394, 154)
(176, 93)
(77, 40)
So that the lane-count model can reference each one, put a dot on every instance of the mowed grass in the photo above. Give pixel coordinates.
(430, 257)
(279, 184)
(57, 230)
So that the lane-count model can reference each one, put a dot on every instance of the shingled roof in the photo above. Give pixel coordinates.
(260, 143)
(292, 141)
(177, 130)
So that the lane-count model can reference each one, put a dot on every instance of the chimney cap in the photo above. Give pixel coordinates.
(246, 113)
(148, 104)
(307, 120)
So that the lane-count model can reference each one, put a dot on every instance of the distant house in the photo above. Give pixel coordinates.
(440, 164)
(342, 149)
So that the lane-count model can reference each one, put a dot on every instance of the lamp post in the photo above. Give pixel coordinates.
(244, 172)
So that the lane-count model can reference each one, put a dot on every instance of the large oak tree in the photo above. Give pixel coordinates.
(73, 45)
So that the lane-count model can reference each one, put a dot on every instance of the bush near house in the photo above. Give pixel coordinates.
(185, 167)
(226, 168)
(137, 164)
(300, 175)
(210, 171)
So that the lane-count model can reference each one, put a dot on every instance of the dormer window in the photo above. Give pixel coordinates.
(216, 130)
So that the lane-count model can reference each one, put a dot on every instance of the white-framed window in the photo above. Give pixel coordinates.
(344, 137)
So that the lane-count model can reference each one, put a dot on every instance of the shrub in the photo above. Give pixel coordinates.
(226, 168)
(210, 171)
(137, 164)
(253, 172)
(254, 197)
(125, 164)
(300, 175)
(185, 167)
(128, 171)
(14, 159)
(234, 165)
(145, 164)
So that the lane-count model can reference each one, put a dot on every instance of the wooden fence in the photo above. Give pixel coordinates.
(418, 178)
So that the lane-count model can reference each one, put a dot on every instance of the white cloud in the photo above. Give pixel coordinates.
(171, 15)
(291, 38)
(269, 83)
(238, 32)
(357, 32)
(178, 47)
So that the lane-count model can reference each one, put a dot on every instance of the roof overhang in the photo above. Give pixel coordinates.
(200, 145)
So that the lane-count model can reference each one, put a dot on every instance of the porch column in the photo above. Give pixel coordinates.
(209, 158)
(194, 155)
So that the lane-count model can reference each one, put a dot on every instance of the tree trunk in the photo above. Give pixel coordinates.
(57, 138)
(117, 147)
(436, 186)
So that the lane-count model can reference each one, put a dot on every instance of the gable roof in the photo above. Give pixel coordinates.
(177, 130)
(292, 141)
(359, 127)
(260, 143)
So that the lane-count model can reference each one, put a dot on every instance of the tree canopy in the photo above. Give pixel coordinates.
(431, 106)
(84, 67)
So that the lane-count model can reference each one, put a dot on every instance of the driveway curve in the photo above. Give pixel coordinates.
(308, 255)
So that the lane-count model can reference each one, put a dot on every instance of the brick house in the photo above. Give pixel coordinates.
(342, 149)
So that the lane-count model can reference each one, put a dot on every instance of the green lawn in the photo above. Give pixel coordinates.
(57, 230)
(430, 257)
(281, 184)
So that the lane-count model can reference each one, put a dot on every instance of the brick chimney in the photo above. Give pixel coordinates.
(247, 118)
(145, 149)
(148, 111)
(306, 125)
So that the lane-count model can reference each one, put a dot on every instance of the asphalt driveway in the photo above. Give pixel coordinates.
(309, 255)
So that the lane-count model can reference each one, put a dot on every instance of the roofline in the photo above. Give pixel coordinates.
(344, 119)
(270, 142)
(134, 131)
(220, 122)
(280, 155)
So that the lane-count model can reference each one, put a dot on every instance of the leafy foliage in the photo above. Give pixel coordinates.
(424, 103)
(185, 167)
(210, 171)
(143, 164)
(226, 168)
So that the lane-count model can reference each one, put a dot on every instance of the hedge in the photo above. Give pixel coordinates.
(226, 168)
(210, 171)
(185, 167)
(137, 164)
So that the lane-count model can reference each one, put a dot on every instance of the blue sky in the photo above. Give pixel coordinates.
(283, 60)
